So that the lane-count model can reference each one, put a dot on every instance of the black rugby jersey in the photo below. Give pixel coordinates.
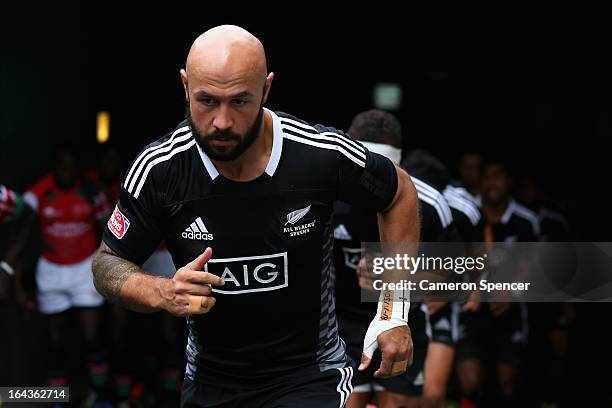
(466, 214)
(517, 224)
(354, 225)
(271, 237)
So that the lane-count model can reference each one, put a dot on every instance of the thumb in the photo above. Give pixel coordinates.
(365, 362)
(198, 263)
(369, 346)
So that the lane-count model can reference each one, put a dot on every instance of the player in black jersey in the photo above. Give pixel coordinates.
(465, 213)
(470, 225)
(443, 315)
(258, 188)
(379, 132)
(503, 324)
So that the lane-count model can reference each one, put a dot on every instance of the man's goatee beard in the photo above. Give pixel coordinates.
(244, 142)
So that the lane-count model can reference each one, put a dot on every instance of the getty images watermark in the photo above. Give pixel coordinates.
(501, 271)
(438, 265)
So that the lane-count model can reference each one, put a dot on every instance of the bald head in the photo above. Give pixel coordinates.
(226, 85)
(225, 55)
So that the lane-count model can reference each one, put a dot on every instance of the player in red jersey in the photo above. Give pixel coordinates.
(71, 213)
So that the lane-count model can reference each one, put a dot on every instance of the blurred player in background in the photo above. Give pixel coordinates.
(71, 211)
(379, 132)
(438, 226)
(502, 324)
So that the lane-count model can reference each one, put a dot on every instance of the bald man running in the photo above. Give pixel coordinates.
(243, 198)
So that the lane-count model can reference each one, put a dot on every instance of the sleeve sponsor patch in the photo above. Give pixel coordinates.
(118, 223)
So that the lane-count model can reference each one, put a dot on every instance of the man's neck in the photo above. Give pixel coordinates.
(494, 211)
(253, 162)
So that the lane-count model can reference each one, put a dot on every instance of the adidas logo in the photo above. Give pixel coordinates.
(197, 230)
(442, 324)
(342, 233)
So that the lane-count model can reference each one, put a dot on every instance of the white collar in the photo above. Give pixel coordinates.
(277, 148)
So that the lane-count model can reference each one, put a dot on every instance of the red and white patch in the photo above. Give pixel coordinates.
(118, 223)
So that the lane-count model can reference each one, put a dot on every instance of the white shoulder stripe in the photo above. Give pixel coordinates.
(462, 204)
(303, 126)
(143, 156)
(443, 212)
(467, 195)
(159, 160)
(328, 136)
(344, 141)
(347, 139)
(426, 187)
(424, 191)
(296, 123)
(150, 152)
(525, 212)
(474, 216)
(178, 140)
(469, 212)
(529, 216)
(326, 146)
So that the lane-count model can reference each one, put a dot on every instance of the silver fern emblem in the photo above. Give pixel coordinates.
(295, 216)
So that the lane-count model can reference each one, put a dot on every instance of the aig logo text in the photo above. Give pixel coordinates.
(250, 273)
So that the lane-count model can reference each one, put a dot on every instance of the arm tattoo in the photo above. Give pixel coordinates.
(111, 272)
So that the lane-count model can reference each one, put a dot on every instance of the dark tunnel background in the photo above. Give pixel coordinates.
(539, 101)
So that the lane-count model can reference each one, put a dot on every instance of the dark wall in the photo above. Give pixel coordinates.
(540, 102)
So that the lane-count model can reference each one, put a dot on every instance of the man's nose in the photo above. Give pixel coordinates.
(222, 120)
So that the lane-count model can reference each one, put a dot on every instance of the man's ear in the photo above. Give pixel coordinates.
(267, 87)
(185, 84)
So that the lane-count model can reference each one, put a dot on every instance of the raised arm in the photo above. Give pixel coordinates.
(125, 283)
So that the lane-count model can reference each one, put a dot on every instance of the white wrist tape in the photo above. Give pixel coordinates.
(392, 311)
(7, 268)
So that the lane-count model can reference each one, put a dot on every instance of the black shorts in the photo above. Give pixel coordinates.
(411, 382)
(327, 389)
(505, 336)
(445, 325)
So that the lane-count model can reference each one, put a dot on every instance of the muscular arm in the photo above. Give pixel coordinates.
(125, 283)
(399, 223)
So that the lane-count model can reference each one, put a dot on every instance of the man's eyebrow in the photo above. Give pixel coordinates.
(242, 94)
(205, 94)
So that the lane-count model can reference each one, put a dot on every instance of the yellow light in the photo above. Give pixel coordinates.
(103, 127)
